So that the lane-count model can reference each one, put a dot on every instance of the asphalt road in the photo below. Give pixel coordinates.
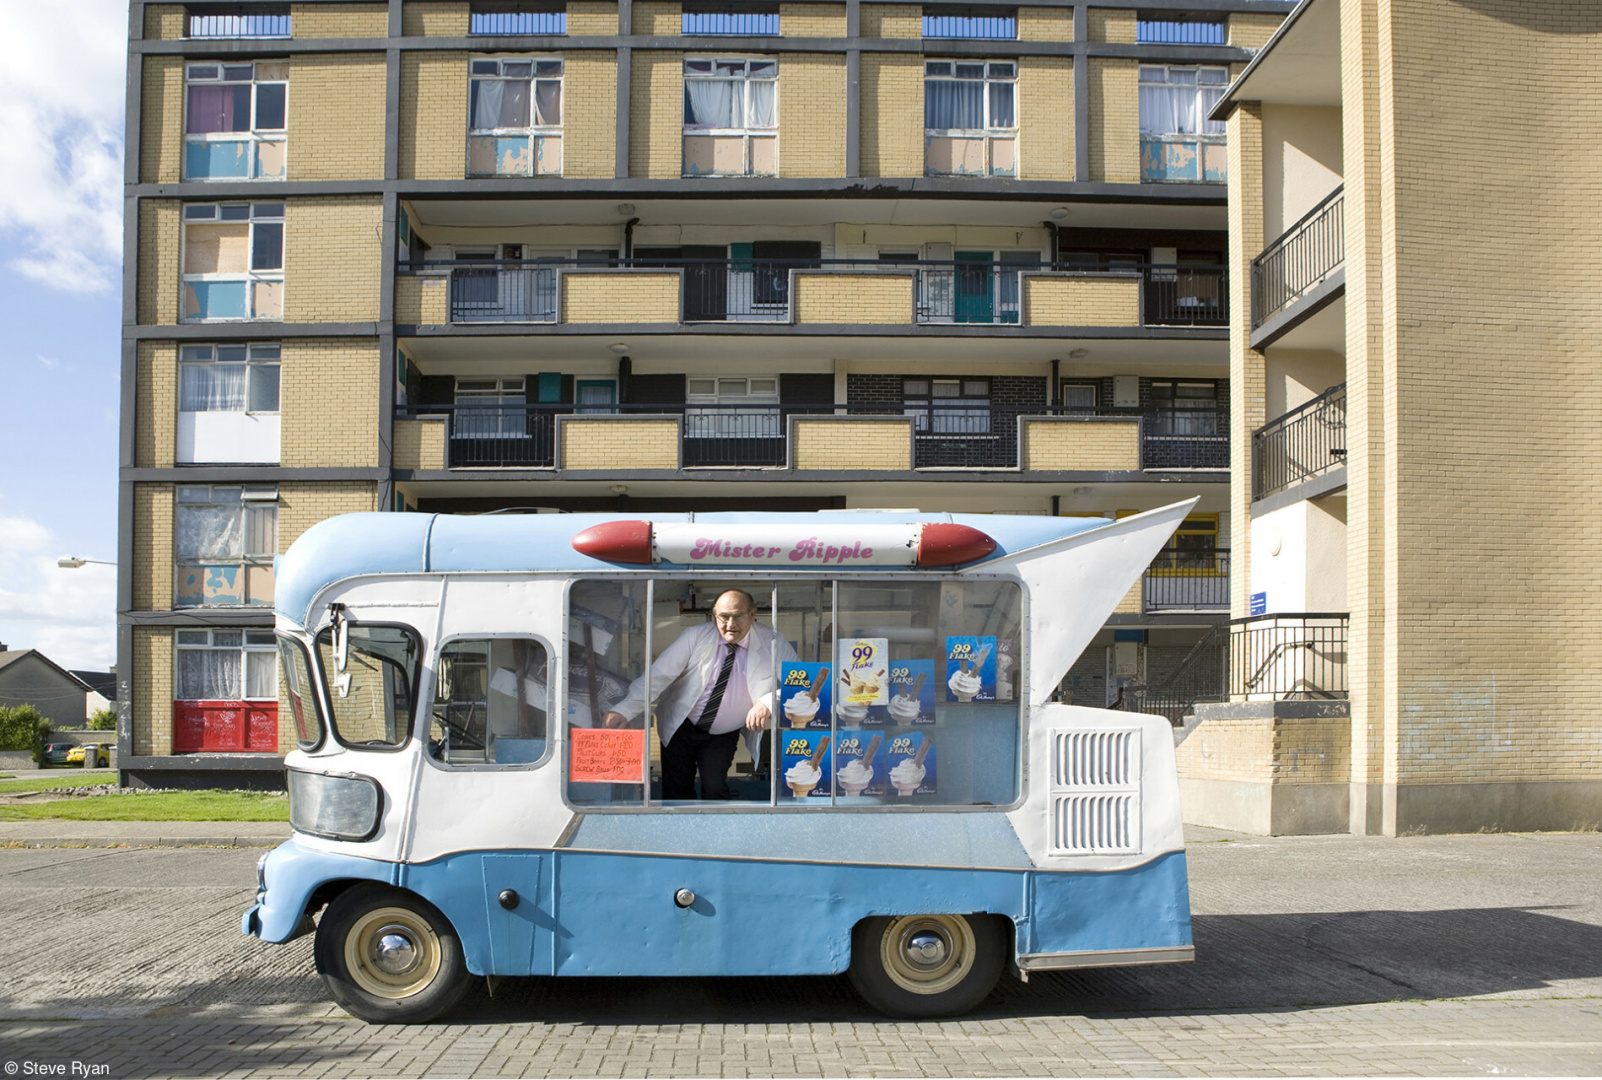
(1470, 955)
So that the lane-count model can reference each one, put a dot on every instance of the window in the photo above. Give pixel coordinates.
(490, 703)
(725, 412)
(1179, 31)
(298, 690)
(225, 691)
(233, 262)
(235, 121)
(515, 107)
(506, 19)
(1177, 141)
(491, 409)
(370, 675)
(1080, 397)
(901, 693)
(228, 404)
(947, 406)
(1184, 408)
(969, 118)
(731, 117)
(961, 22)
(745, 21)
(227, 537)
(239, 21)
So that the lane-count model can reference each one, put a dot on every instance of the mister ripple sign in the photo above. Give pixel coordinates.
(795, 547)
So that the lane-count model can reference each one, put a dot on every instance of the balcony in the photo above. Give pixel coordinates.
(1289, 656)
(1187, 579)
(821, 437)
(1306, 443)
(808, 291)
(1304, 257)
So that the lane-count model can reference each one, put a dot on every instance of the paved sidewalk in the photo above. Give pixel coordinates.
(59, 833)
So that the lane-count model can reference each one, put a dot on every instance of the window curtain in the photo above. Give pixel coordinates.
(212, 388)
(548, 103)
(712, 103)
(1001, 115)
(763, 98)
(953, 105)
(1210, 96)
(209, 675)
(261, 674)
(500, 103)
(1167, 110)
(211, 532)
(218, 108)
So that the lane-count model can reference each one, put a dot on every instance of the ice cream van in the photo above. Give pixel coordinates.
(919, 802)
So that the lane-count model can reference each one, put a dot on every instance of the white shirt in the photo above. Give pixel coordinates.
(736, 701)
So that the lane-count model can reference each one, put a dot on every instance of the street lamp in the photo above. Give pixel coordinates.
(72, 562)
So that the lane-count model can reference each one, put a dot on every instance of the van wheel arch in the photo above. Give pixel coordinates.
(933, 965)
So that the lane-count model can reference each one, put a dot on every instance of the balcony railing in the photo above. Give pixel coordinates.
(1304, 443)
(1299, 655)
(1187, 579)
(953, 434)
(1302, 257)
(961, 292)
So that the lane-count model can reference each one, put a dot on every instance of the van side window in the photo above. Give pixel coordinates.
(491, 702)
(371, 688)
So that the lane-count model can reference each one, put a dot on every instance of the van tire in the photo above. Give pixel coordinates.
(960, 960)
(390, 957)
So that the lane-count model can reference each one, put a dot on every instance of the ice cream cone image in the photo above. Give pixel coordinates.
(858, 772)
(963, 683)
(908, 776)
(803, 776)
(802, 708)
(904, 708)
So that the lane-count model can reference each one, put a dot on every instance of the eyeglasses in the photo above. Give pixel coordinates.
(736, 617)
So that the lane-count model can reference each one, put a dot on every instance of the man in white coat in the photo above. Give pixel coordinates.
(713, 682)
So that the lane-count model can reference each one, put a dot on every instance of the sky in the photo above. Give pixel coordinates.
(61, 149)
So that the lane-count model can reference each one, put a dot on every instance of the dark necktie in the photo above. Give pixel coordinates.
(710, 713)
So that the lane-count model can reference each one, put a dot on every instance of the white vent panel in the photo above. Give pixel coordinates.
(1095, 824)
(1095, 792)
(1096, 759)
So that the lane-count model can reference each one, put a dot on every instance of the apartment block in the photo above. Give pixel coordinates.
(472, 256)
(1411, 370)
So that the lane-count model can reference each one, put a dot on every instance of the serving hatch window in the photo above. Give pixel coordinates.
(897, 692)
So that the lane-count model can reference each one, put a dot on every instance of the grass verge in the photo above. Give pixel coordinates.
(79, 778)
(209, 805)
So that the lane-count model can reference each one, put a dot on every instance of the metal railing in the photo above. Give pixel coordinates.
(1185, 439)
(1303, 255)
(758, 290)
(1187, 579)
(1297, 655)
(741, 23)
(242, 21)
(513, 22)
(966, 24)
(1303, 443)
(1203, 675)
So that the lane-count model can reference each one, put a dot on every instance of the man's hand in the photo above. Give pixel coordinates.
(614, 720)
(757, 718)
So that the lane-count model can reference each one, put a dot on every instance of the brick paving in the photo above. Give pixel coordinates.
(1426, 956)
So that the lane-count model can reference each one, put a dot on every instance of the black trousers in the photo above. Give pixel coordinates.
(691, 749)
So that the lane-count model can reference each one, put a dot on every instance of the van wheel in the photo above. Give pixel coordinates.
(917, 966)
(389, 957)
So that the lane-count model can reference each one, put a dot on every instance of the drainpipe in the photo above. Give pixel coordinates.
(625, 368)
(628, 237)
(1054, 391)
(1056, 245)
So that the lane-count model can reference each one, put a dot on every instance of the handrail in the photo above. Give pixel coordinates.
(1286, 417)
(1299, 258)
(1301, 222)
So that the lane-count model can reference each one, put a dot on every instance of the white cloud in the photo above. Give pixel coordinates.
(69, 615)
(48, 361)
(61, 139)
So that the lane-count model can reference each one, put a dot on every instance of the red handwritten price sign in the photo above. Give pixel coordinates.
(602, 756)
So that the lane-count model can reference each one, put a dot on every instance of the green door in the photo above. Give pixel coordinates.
(974, 301)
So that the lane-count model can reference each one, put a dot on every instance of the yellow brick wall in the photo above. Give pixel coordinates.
(433, 115)
(656, 109)
(331, 252)
(1114, 120)
(159, 237)
(591, 18)
(161, 136)
(302, 505)
(1067, 444)
(892, 21)
(343, 143)
(1082, 301)
(1312, 750)
(338, 20)
(156, 405)
(1237, 749)
(849, 443)
(1109, 24)
(419, 444)
(1046, 118)
(892, 113)
(153, 547)
(1251, 30)
(658, 19)
(422, 300)
(1045, 24)
(610, 297)
(853, 298)
(812, 20)
(613, 443)
(435, 18)
(328, 402)
(589, 121)
(166, 22)
(152, 690)
(812, 113)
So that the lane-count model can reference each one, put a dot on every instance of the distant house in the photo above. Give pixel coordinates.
(102, 689)
(29, 677)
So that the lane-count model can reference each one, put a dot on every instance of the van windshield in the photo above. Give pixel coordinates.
(373, 691)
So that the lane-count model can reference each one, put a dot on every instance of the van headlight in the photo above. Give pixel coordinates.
(342, 807)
